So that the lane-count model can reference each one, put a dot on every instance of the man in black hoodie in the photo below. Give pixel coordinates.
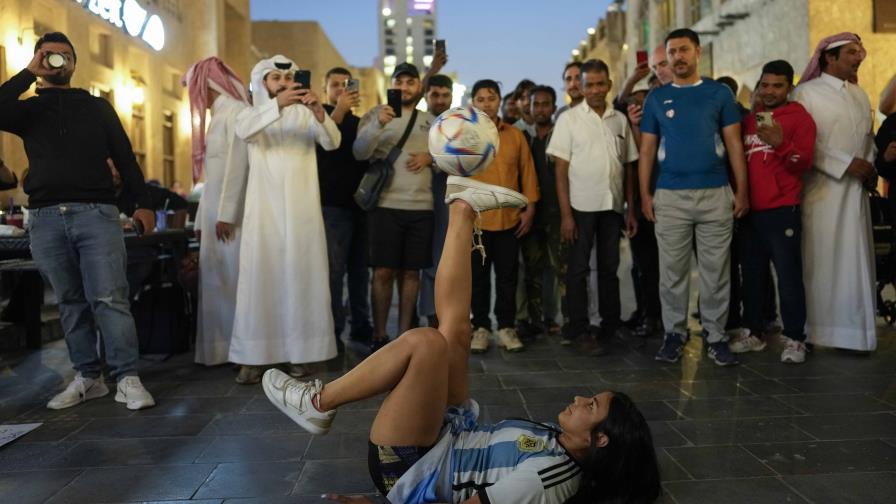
(76, 237)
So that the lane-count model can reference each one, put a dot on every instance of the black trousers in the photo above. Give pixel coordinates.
(501, 250)
(646, 272)
(605, 227)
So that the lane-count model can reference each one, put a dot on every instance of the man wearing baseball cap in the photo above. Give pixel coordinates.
(400, 226)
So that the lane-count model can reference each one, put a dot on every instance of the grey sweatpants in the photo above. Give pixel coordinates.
(706, 215)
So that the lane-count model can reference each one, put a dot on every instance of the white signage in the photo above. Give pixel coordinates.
(131, 17)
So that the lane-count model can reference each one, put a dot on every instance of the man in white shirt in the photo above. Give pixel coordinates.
(838, 253)
(594, 150)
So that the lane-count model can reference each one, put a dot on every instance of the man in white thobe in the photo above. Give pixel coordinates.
(838, 253)
(212, 85)
(283, 298)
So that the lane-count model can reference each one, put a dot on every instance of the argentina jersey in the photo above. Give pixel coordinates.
(514, 461)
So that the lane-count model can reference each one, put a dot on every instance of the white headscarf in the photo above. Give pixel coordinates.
(259, 91)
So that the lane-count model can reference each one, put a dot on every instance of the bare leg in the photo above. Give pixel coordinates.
(453, 291)
(413, 367)
(381, 299)
(409, 286)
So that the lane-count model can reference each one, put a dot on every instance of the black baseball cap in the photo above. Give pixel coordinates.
(406, 69)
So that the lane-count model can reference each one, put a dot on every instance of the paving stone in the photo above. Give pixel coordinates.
(865, 488)
(733, 491)
(817, 457)
(135, 483)
(251, 480)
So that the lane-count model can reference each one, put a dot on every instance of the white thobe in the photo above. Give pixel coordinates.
(283, 299)
(225, 156)
(838, 247)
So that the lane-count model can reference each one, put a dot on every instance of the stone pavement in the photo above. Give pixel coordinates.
(820, 432)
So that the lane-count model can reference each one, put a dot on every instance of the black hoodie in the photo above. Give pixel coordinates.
(68, 136)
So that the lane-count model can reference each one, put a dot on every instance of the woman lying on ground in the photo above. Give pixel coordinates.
(425, 444)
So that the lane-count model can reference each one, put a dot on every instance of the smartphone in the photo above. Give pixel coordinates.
(763, 118)
(302, 78)
(393, 99)
(353, 85)
(633, 100)
(440, 45)
(641, 57)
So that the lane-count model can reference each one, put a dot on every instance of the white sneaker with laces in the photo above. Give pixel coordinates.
(744, 342)
(481, 196)
(479, 342)
(794, 352)
(81, 389)
(133, 394)
(295, 399)
(508, 339)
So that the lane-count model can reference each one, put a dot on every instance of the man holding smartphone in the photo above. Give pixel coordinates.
(779, 137)
(401, 225)
(283, 285)
(346, 224)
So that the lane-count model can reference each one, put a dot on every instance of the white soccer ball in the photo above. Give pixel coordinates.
(463, 141)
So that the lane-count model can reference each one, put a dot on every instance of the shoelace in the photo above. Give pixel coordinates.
(477, 236)
(303, 388)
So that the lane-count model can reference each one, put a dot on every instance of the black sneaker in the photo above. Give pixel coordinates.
(362, 334)
(673, 347)
(721, 354)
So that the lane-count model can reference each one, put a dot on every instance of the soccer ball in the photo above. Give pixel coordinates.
(463, 141)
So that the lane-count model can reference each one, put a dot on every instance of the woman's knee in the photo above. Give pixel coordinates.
(425, 340)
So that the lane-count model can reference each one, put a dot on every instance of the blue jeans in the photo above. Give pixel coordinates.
(346, 230)
(775, 235)
(426, 305)
(79, 247)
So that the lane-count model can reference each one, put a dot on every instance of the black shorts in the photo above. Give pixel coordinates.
(400, 239)
(389, 463)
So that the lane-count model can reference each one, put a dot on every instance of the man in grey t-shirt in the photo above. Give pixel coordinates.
(400, 227)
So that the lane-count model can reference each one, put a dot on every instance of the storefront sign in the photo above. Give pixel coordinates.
(131, 17)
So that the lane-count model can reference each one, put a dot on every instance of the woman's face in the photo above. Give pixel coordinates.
(584, 414)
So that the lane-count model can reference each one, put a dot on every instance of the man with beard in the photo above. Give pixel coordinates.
(572, 84)
(76, 237)
(401, 225)
(688, 126)
(838, 250)
(283, 294)
(510, 112)
(438, 94)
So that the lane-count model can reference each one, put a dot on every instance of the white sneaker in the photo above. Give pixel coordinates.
(508, 339)
(132, 393)
(794, 352)
(744, 342)
(81, 389)
(294, 398)
(482, 196)
(479, 342)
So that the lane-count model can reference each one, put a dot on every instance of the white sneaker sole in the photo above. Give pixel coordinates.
(95, 392)
(275, 396)
(468, 183)
(133, 405)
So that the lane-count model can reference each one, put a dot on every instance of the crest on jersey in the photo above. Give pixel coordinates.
(529, 444)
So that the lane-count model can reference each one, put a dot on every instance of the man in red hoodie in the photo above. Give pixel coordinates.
(779, 151)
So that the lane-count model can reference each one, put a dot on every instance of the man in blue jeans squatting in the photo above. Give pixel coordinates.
(688, 125)
(76, 237)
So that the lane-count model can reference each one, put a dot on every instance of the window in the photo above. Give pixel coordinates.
(389, 32)
(138, 134)
(390, 51)
(428, 32)
(101, 48)
(390, 42)
(167, 148)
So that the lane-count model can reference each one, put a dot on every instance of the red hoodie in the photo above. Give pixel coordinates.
(776, 175)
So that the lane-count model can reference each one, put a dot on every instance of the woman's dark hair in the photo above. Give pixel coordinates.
(626, 469)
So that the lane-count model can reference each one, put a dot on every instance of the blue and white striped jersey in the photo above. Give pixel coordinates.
(514, 461)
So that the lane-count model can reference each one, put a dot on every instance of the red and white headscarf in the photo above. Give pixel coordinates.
(210, 73)
(813, 69)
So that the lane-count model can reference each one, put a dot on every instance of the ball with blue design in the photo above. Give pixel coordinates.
(463, 141)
